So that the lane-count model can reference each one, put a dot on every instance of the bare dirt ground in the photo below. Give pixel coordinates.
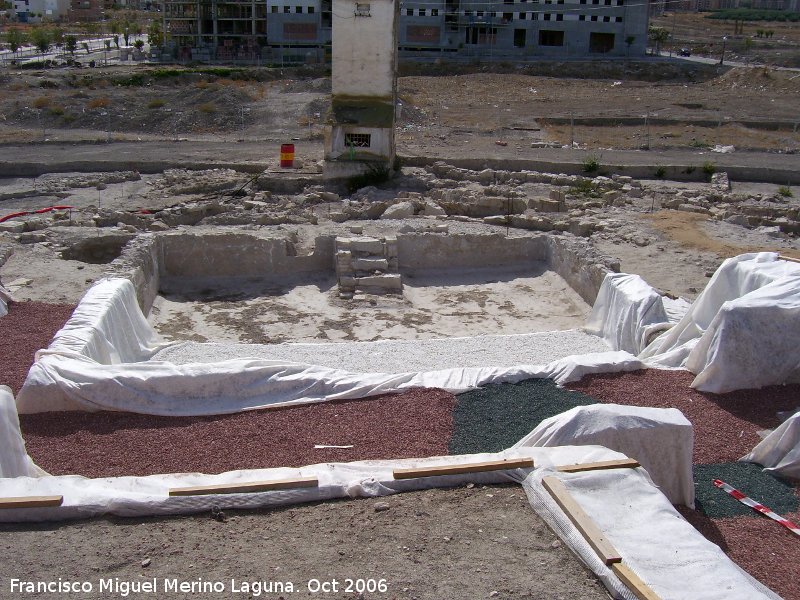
(703, 37)
(432, 305)
(496, 548)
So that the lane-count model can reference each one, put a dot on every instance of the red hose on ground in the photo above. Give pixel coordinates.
(36, 212)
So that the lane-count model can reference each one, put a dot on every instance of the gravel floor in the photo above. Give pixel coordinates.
(498, 416)
(399, 356)
(748, 478)
(726, 426)
(28, 327)
(108, 444)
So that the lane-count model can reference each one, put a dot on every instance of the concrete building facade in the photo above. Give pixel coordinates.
(278, 31)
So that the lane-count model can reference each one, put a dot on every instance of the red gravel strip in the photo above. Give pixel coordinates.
(28, 327)
(725, 425)
(107, 444)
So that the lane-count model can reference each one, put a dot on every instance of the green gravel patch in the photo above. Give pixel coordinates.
(749, 479)
(497, 416)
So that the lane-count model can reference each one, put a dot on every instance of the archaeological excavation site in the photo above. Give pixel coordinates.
(346, 334)
(238, 343)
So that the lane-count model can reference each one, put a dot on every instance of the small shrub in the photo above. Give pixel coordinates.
(690, 169)
(156, 103)
(41, 102)
(207, 108)
(103, 102)
(698, 143)
(585, 187)
(375, 175)
(709, 168)
(56, 110)
(661, 171)
(785, 191)
(591, 164)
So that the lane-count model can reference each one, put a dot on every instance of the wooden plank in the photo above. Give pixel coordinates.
(789, 258)
(639, 588)
(246, 488)
(581, 520)
(31, 501)
(478, 467)
(626, 463)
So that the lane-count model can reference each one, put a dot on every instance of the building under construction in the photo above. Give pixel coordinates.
(292, 31)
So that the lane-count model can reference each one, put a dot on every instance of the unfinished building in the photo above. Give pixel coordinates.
(284, 31)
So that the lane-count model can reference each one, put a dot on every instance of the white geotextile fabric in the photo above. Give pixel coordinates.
(663, 549)
(780, 450)
(99, 361)
(5, 298)
(625, 312)
(661, 439)
(14, 459)
(741, 331)
(654, 540)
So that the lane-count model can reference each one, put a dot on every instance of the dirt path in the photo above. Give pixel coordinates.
(474, 542)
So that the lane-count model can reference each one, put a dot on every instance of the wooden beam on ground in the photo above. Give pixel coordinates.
(581, 520)
(31, 502)
(639, 588)
(478, 467)
(789, 258)
(626, 463)
(246, 488)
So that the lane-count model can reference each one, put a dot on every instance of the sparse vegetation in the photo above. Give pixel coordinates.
(207, 108)
(754, 14)
(41, 102)
(375, 175)
(102, 102)
(661, 171)
(56, 110)
(709, 168)
(785, 191)
(156, 103)
(591, 164)
(586, 188)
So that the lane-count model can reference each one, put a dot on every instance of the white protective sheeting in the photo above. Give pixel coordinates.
(14, 459)
(5, 298)
(651, 536)
(99, 361)
(661, 439)
(662, 548)
(780, 450)
(627, 310)
(741, 331)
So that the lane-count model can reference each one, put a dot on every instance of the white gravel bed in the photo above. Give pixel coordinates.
(400, 356)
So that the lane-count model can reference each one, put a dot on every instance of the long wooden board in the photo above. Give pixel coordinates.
(605, 550)
(639, 588)
(626, 463)
(478, 467)
(31, 501)
(789, 258)
(246, 488)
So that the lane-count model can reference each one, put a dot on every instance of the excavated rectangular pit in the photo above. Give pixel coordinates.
(259, 287)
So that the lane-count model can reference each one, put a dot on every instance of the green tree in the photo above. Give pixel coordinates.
(155, 37)
(15, 38)
(41, 39)
(57, 36)
(659, 35)
(71, 44)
